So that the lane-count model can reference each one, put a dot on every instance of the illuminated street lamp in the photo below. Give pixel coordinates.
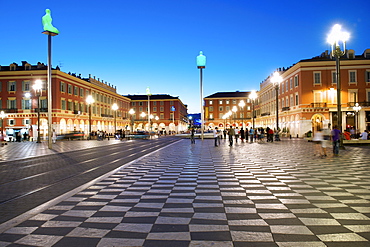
(357, 108)
(336, 38)
(201, 64)
(235, 109)
(241, 105)
(253, 97)
(38, 90)
(142, 115)
(132, 112)
(90, 100)
(276, 79)
(115, 108)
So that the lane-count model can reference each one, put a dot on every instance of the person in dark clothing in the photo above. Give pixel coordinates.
(242, 134)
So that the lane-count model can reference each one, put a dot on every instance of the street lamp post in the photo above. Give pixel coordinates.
(357, 108)
(115, 108)
(235, 109)
(38, 90)
(142, 115)
(336, 37)
(253, 97)
(132, 112)
(149, 94)
(201, 64)
(276, 79)
(241, 105)
(90, 100)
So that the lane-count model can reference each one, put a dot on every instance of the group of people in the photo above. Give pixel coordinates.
(251, 135)
(324, 136)
(351, 134)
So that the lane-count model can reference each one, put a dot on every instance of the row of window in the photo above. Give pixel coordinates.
(227, 108)
(26, 86)
(76, 91)
(26, 104)
(241, 115)
(70, 89)
(141, 103)
(161, 116)
(227, 101)
(288, 84)
(82, 107)
(154, 109)
(352, 76)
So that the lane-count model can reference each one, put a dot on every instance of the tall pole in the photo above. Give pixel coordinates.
(115, 121)
(201, 64)
(38, 119)
(89, 121)
(149, 127)
(50, 130)
(253, 113)
(336, 37)
(201, 104)
(277, 107)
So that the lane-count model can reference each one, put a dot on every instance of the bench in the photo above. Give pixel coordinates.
(356, 142)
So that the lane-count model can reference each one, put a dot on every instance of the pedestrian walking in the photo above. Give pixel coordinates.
(54, 136)
(242, 134)
(335, 135)
(246, 132)
(231, 133)
(251, 134)
(215, 135)
(192, 133)
(237, 132)
(325, 142)
(317, 140)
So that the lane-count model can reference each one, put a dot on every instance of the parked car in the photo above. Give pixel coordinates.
(71, 136)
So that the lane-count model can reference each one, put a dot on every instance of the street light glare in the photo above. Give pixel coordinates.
(276, 78)
(38, 85)
(115, 107)
(90, 99)
(337, 35)
(253, 95)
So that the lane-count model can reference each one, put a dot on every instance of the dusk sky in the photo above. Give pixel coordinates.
(136, 44)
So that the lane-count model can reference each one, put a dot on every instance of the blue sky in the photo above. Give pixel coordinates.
(136, 44)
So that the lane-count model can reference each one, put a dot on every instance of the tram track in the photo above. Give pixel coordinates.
(35, 182)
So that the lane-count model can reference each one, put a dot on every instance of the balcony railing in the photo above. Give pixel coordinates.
(317, 105)
(287, 108)
(265, 114)
(364, 103)
(41, 109)
(106, 115)
(10, 110)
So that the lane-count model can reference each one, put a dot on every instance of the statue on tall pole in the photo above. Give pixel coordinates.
(46, 22)
(50, 31)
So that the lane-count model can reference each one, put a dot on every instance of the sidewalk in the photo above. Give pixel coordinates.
(270, 194)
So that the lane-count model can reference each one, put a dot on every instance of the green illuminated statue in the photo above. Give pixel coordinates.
(46, 21)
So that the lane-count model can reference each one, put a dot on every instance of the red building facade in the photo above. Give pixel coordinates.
(70, 111)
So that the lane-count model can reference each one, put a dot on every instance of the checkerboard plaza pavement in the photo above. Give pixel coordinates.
(271, 194)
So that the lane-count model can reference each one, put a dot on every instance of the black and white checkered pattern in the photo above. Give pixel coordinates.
(270, 194)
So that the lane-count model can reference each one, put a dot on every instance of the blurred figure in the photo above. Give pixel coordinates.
(364, 135)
